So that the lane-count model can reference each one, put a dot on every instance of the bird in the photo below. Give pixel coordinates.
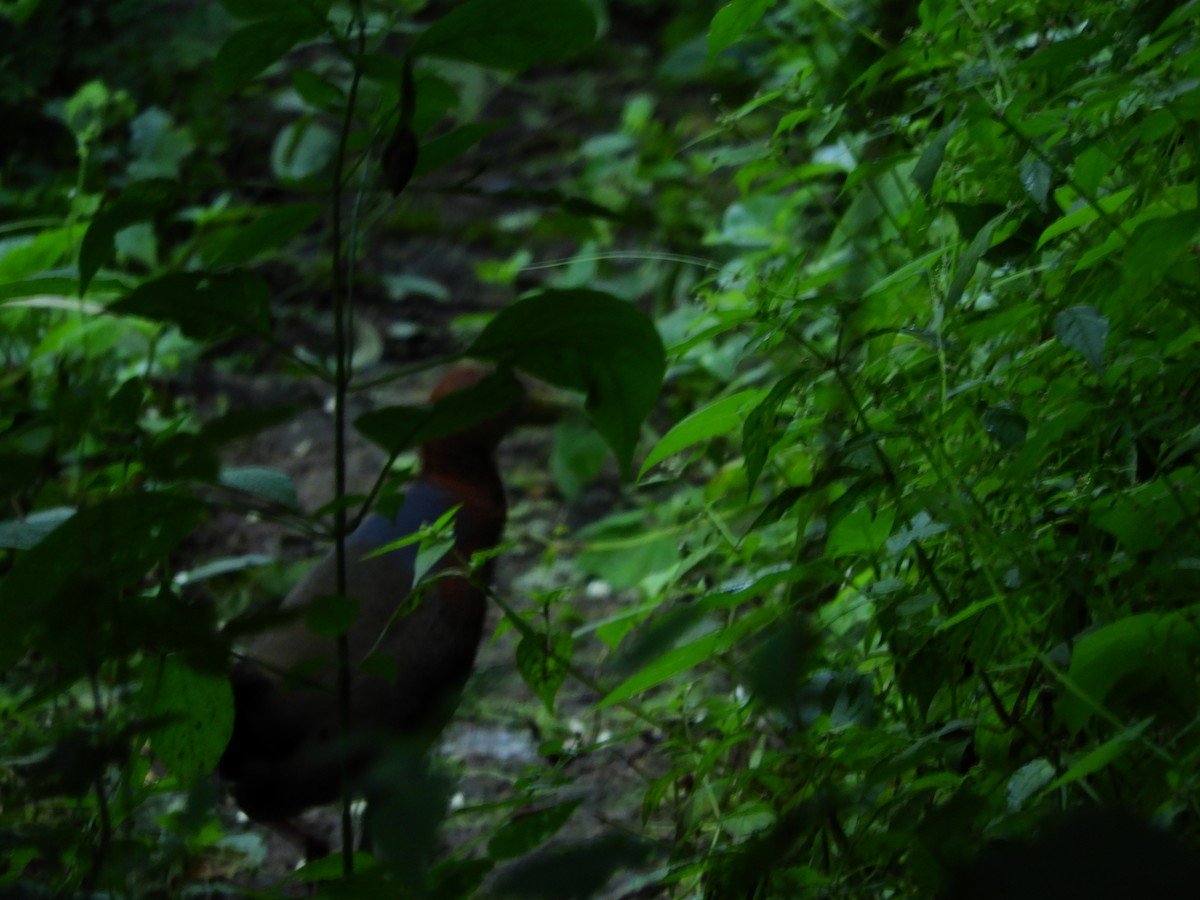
(287, 753)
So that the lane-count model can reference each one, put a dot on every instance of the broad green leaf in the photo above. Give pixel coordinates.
(239, 245)
(720, 417)
(331, 616)
(205, 307)
(1007, 426)
(29, 531)
(1101, 756)
(1085, 215)
(970, 259)
(142, 200)
(926, 169)
(1155, 248)
(275, 485)
(577, 869)
(759, 431)
(542, 661)
(48, 595)
(507, 35)
(196, 709)
(1026, 782)
(1082, 328)
(585, 341)
(302, 149)
(732, 21)
(1145, 517)
(1036, 178)
(860, 532)
(250, 50)
(400, 428)
(1101, 659)
(527, 831)
(448, 147)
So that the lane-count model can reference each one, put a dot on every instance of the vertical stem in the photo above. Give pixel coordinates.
(342, 375)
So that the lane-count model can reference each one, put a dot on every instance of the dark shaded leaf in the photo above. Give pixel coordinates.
(585, 341)
(512, 36)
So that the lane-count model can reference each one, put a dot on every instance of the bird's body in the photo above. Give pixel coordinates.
(409, 656)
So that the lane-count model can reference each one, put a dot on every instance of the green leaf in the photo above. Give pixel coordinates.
(674, 662)
(28, 532)
(1101, 659)
(250, 50)
(51, 589)
(276, 486)
(142, 200)
(1083, 329)
(574, 870)
(207, 307)
(1036, 178)
(718, 418)
(1098, 758)
(970, 259)
(732, 21)
(197, 709)
(236, 246)
(527, 831)
(1007, 426)
(331, 616)
(1026, 782)
(318, 92)
(586, 341)
(577, 457)
(860, 532)
(925, 171)
(1086, 214)
(511, 36)
(542, 661)
(760, 430)
(276, 9)
(400, 428)
(1155, 248)
(448, 147)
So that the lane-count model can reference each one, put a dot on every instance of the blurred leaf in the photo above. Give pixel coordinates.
(577, 456)
(274, 228)
(860, 532)
(717, 418)
(732, 21)
(273, 484)
(510, 36)
(205, 307)
(446, 148)
(925, 172)
(969, 259)
(104, 547)
(1100, 757)
(542, 661)
(25, 533)
(399, 428)
(331, 616)
(585, 341)
(140, 201)
(1007, 426)
(571, 871)
(1101, 659)
(250, 50)
(527, 831)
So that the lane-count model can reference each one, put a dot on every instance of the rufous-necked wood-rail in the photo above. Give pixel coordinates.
(285, 752)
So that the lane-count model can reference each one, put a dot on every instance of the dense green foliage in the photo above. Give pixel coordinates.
(911, 559)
